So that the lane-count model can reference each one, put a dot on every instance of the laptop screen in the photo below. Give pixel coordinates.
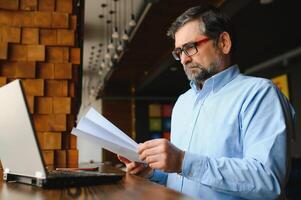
(19, 151)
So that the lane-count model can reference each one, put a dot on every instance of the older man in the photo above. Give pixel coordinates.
(229, 132)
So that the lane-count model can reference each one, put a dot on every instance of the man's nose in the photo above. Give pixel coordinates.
(185, 59)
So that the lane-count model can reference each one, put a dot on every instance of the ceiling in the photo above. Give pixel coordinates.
(147, 68)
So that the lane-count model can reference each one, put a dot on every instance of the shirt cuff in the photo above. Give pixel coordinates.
(194, 166)
(158, 177)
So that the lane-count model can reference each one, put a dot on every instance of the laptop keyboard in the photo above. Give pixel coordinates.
(70, 173)
(73, 173)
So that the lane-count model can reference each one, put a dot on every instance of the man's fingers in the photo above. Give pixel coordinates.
(137, 169)
(150, 152)
(123, 159)
(149, 144)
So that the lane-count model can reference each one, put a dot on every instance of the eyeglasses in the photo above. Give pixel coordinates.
(189, 48)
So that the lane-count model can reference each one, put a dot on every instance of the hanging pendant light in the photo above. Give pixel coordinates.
(120, 46)
(132, 22)
(125, 36)
(115, 57)
(115, 34)
(108, 55)
(103, 64)
(111, 44)
(111, 64)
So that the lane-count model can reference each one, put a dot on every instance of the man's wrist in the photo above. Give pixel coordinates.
(182, 154)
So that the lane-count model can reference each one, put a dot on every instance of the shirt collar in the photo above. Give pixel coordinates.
(219, 80)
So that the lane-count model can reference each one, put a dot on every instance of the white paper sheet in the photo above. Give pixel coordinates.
(115, 148)
(96, 128)
(97, 118)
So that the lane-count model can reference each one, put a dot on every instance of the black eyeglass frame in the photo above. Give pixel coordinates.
(177, 52)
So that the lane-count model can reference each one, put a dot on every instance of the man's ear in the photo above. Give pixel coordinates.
(225, 43)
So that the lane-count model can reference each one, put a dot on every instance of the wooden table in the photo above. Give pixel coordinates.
(130, 187)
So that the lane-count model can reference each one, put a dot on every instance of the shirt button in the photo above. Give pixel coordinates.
(190, 174)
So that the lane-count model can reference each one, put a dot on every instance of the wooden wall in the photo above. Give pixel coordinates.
(38, 45)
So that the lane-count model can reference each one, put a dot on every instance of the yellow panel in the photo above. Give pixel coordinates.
(282, 83)
(154, 110)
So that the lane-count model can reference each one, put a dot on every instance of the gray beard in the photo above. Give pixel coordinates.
(203, 73)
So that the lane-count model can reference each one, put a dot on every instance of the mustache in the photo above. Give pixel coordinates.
(193, 65)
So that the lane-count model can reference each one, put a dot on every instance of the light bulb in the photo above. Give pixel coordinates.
(132, 22)
(120, 47)
(103, 64)
(111, 63)
(111, 44)
(115, 56)
(108, 55)
(115, 34)
(125, 36)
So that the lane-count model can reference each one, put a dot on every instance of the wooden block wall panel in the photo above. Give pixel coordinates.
(60, 20)
(65, 140)
(25, 69)
(61, 105)
(48, 157)
(18, 52)
(42, 19)
(70, 121)
(57, 88)
(22, 19)
(33, 87)
(48, 36)
(63, 71)
(9, 4)
(50, 140)
(5, 18)
(36, 52)
(44, 105)
(60, 158)
(30, 103)
(8, 69)
(73, 142)
(3, 50)
(3, 81)
(64, 6)
(69, 141)
(75, 56)
(73, 22)
(71, 89)
(11, 34)
(28, 4)
(57, 54)
(45, 123)
(72, 157)
(45, 70)
(65, 37)
(75, 73)
(30, 36)
(46, 5)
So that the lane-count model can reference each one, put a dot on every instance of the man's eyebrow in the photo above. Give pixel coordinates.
(184, 45)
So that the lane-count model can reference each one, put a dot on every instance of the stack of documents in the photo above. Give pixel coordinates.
(96, 128)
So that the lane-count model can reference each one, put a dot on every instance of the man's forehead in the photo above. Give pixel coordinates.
(189, 32)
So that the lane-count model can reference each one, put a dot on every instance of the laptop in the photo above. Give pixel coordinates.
(20, 152)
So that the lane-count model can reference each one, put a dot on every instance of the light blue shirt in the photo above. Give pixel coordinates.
(234, 132)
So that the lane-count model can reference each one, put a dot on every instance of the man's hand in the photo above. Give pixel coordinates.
(136, 168)
(161, 154)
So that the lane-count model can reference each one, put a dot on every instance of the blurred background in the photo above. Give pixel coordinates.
(114, 55)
